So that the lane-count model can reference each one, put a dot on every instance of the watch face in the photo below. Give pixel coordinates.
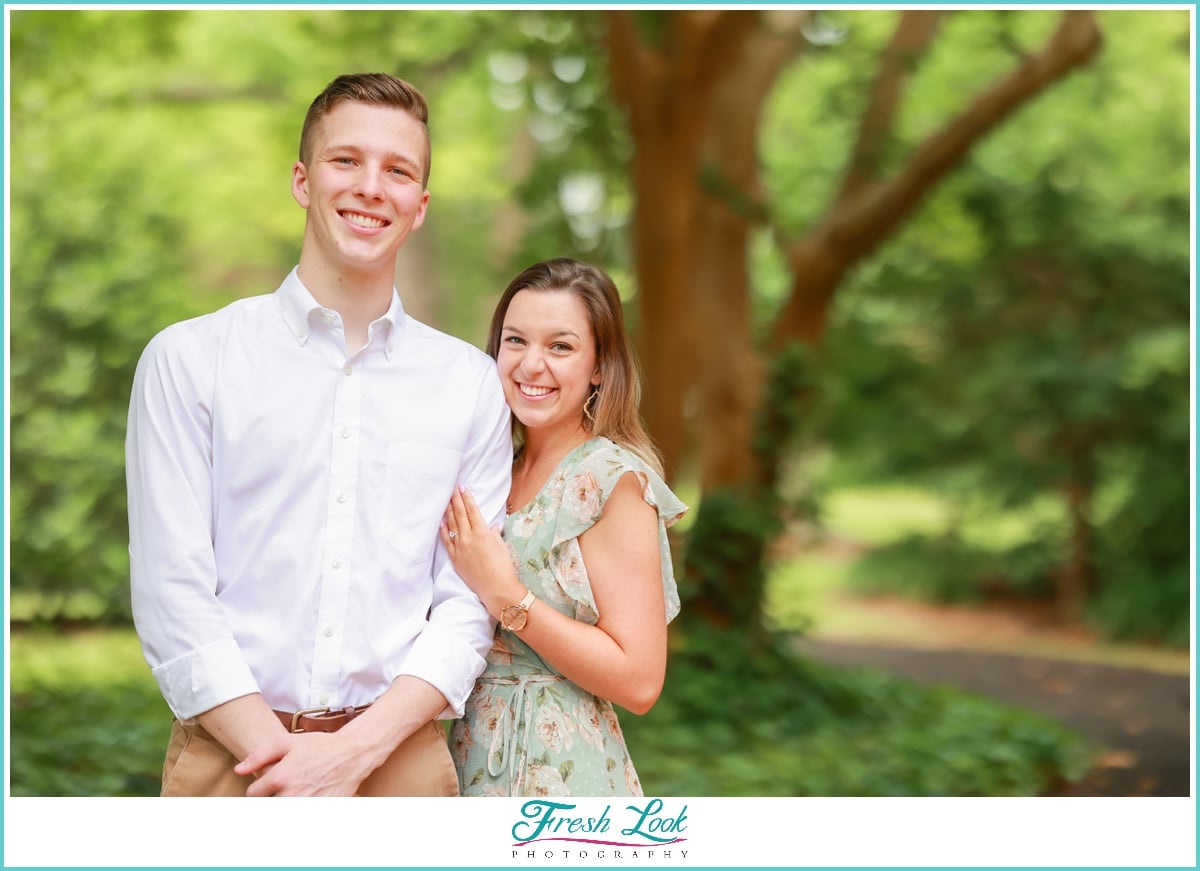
(513, 618)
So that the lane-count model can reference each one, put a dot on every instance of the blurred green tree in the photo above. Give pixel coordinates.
(730, 167)
(695, 86)
(1056, 363)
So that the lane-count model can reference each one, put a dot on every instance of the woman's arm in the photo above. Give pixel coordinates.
(623, 657)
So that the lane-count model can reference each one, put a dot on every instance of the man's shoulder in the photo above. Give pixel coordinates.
(449, 349)
(190, 342)
(209, 324)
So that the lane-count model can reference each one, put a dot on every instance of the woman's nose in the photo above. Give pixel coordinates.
(533, 361)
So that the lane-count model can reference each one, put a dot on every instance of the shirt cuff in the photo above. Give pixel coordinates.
(443, 660)
(204, 678)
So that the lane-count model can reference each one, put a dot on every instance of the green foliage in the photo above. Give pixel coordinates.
(725, 569)
(947, 569)
(724, 572)
(1035, 303)
(86, 717)
(735, 723)
(87, 720)
(1144, 548)
(88, 741)
(1031, 335)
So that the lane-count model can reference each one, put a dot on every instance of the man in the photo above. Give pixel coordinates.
(289, 458)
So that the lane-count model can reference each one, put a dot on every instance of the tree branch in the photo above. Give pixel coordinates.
(915, 32)
(852, 229)
(864, 222)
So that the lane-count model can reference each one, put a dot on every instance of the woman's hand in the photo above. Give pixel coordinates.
(479, 554)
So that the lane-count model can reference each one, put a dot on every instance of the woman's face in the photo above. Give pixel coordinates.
(547, 359)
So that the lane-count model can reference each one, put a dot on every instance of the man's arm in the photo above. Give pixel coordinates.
(243, 725)
(183, 630)
(450, 652)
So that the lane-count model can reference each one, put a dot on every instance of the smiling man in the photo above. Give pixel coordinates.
(288, 459)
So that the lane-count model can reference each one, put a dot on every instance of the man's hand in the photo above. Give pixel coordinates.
(308, 763)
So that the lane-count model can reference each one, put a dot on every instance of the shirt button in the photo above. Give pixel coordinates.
(346, 433)
(323, 701)
(347, 368)
(341, 497)
(328, 634)
(337, 563)
(328, 317)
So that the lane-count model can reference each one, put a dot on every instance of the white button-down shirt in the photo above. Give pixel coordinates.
(284, 502)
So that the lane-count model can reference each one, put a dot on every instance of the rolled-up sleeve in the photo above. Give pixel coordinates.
(184, 633)
(450, 652)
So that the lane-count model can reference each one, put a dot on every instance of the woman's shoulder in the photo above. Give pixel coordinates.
(602, 455)
(602, 463)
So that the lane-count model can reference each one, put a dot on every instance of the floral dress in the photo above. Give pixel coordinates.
(527, 730)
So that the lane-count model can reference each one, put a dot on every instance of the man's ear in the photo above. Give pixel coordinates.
(419, 217)
(300, 184)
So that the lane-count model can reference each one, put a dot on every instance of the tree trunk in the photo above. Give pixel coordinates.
(663, 68)
(730, 387)
(1076, 579)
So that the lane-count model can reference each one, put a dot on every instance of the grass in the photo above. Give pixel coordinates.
(875, 516)
(880, 515)
(97, 657)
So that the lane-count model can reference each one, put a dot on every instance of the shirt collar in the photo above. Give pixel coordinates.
(296, 305)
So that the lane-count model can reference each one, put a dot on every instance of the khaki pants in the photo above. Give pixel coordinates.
(196, 765)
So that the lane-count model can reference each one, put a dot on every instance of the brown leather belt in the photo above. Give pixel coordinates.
(319, 719)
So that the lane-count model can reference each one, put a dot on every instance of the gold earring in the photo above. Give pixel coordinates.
(589, 402)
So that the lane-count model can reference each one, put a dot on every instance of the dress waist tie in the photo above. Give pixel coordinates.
(503, 751)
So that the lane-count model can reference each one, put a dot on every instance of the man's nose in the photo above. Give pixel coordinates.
(369, 182)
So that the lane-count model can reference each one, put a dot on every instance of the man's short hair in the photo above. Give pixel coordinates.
(379, 89)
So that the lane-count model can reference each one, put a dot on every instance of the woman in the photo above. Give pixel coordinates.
(581, 580)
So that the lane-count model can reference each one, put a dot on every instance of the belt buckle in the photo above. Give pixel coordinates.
(305, 713)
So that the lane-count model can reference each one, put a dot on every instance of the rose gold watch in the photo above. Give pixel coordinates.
(513, 617)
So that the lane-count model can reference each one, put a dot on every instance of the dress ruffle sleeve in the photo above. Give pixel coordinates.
(585, 487)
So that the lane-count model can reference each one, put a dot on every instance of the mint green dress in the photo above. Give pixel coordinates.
(527, 730)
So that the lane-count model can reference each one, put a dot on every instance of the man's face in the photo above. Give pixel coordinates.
(362, 187)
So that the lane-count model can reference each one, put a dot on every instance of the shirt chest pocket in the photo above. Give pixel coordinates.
(417, 483)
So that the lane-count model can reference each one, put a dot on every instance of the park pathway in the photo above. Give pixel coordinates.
(1139, 718)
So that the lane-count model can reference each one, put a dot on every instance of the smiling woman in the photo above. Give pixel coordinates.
(581, 578)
